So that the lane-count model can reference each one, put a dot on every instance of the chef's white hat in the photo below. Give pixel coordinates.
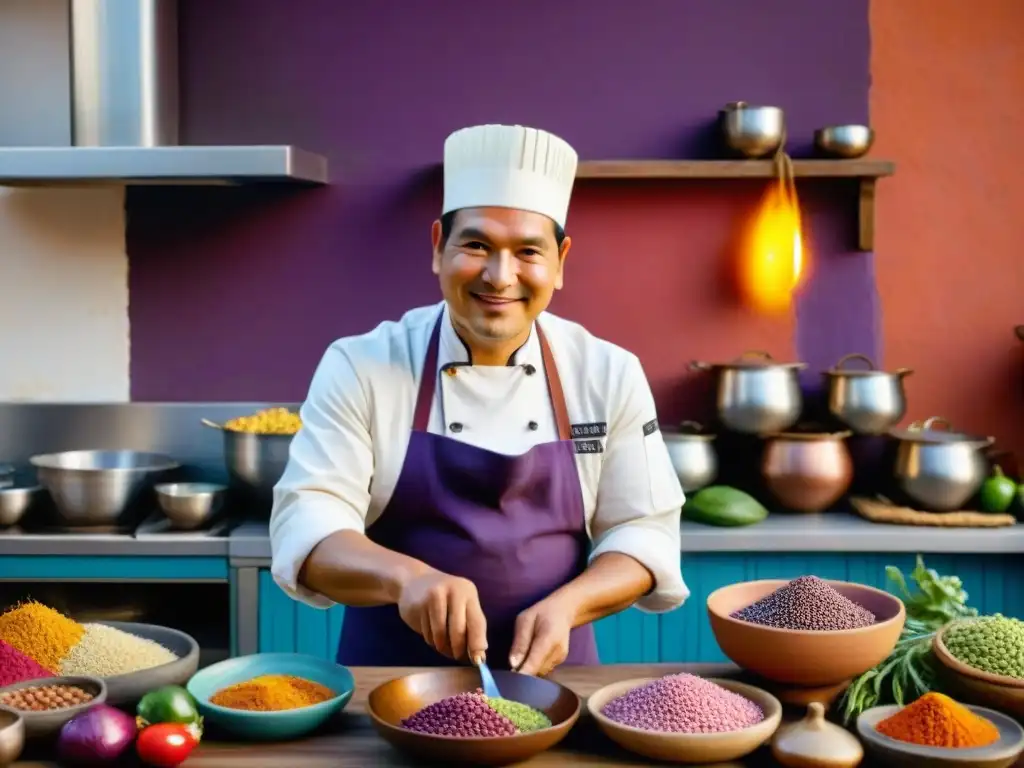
(508, 166)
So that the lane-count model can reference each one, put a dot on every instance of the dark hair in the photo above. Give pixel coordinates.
(448, 221)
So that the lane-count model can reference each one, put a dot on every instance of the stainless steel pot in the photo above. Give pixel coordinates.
(937, 468)
(254, 461)
(870, 402)
(692, 455)
(755, 394)
(807, 472)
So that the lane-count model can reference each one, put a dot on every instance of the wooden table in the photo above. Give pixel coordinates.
(353, 743)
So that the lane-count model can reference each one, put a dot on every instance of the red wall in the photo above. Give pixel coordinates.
(947, 101)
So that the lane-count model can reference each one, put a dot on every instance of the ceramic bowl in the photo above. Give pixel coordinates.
(949, 660)
(48, 723)
(12, 736)
(804, 657)
(1002, 754)
(395, 700)
(700, 748)
(126, 690)
(271, 726)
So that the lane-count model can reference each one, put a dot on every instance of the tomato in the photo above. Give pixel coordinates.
(165, 745)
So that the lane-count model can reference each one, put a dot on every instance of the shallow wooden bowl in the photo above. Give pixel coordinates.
(949, 660)
(805, 657)
(893, 752)
(397, 699)
(700, 748)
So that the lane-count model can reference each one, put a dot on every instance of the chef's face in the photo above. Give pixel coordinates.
(498, 269)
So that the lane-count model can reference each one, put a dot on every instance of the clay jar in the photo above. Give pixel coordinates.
(807, 471)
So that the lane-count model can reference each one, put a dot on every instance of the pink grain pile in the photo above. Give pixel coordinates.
(683, 704)
(463, 716)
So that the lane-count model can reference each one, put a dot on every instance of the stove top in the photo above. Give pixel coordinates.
(156, 526)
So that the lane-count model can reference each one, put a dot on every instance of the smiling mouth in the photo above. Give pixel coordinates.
(497, 301)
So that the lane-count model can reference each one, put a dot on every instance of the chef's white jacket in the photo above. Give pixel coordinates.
(357, 419)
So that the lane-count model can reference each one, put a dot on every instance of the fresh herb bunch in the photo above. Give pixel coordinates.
(909, 671)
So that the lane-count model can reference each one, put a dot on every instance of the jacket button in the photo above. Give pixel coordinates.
(451, 370)
(533, 425)
(530, 370)
(455, 426)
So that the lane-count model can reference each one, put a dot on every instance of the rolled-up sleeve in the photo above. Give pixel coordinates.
(325, 487)
(639, 497)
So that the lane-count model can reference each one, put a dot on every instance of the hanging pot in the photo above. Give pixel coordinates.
(807, 471)
(755, 394)
(937, 468)
(693, 455)
(870, 402)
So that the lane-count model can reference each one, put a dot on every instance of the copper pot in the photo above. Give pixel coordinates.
(807, 472)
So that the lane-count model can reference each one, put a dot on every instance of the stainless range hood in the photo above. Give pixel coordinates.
(124, 102)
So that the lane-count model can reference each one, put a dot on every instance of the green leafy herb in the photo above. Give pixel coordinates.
(909, 671)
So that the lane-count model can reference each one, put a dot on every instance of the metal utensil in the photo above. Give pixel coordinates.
(844, 141)
(752, 131)
(870, 402)
(693, 455)
(255, 461)
(12, 735)
(97, 487)
(490, 687)
(756, 394)
(938, 468)
(189, 505)
(15, 502)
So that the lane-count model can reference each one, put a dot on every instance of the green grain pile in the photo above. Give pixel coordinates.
(525, 718)
(993, 644)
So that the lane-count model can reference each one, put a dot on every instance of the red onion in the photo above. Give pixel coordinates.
(97, 736)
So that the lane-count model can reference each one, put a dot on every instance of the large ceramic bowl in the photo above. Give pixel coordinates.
(126, 690)
(49, 722)
(271, 726)
(805, 657)
(701, 748)
(395, 700)
(1002, 754)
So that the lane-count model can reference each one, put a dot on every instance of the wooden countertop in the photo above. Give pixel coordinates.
(353, 743)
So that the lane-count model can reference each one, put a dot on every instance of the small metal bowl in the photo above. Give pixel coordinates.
(190, 505)
(12, 736)
(752, 131)
(15, 502)
(844, 141)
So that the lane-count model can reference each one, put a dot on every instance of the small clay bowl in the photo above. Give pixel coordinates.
(703, 748)
(38, 724)
(1002, 754)
(805, 657)
(397, 699)
(949, 660)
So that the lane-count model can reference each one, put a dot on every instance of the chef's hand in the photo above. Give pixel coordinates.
(541, 640)
(446, 611)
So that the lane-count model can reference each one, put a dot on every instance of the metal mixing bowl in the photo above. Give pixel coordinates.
(190, 505)
(96, 488)
(845, 141)
(12, 736)
(14, 502)
(752, 131)
(256, 461)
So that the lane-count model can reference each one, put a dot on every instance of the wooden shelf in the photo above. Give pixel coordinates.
(865, 172)
(731, 169)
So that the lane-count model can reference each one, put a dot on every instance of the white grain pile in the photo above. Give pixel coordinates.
(105, 651)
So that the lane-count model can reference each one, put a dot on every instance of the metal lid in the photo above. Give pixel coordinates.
(927, 432)
(689, 430)
(839, 368)
(749, 360)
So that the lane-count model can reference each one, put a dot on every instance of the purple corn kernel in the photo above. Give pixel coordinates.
(465, 715)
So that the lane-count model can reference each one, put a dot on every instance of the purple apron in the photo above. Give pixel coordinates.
(513, 525)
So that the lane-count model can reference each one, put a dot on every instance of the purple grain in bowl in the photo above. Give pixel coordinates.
(806, 603)
(683, 703)
(465, 716)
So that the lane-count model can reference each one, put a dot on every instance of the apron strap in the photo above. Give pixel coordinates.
(429, 374)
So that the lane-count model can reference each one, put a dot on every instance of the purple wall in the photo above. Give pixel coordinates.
(236, 292)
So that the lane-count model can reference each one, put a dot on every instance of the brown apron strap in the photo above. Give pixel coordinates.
(428, 381)
(428, 384)
(554, 387)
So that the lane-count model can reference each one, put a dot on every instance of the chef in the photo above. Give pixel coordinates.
(481, 478)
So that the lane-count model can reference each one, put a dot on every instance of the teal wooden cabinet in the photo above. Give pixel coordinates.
(995, 584)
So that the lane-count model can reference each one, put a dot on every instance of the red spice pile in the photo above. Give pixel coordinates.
(16, 666)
